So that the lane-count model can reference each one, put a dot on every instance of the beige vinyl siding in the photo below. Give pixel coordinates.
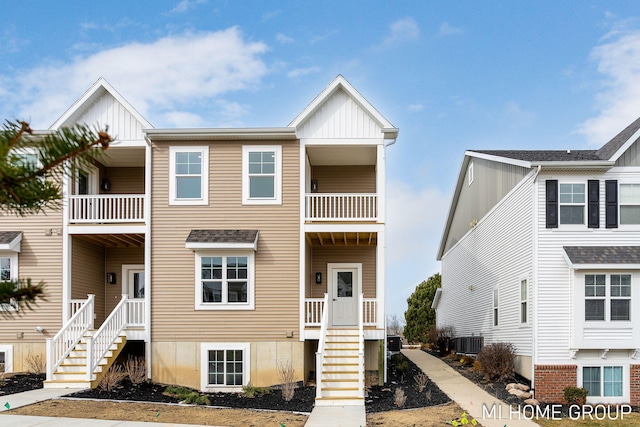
(276, 260)
(40, 259)
(125, 180)
(309, 278)
(116, 257)
(345, 179)
(331, 254)
(88, 275)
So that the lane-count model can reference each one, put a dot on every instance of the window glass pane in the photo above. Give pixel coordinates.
(262, 187)
(594, 285)
(629, 214)
(571, 214)
(216, 367)
(620, 309)
(234, 367)
(523, 290)
(237, 292)
(629, 193)
(594, 309)
(188, 187)
(345, 284)
(495, 298)
(523, 312)
(5, 268)
(591, 380)
(211, 291)
(612, 384)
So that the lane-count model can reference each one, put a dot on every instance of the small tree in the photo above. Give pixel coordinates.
(420, 317)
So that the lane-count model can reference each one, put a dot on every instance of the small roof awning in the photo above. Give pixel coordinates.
(600, 257)
(10, 240)
(222, 239)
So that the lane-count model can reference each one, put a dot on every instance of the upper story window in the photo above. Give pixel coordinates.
(470, 173)
(495, 308)
(224, 280)
(629, 203)
(189, 175)
(572, 203)
(524, 299)
(261, 174)
(607, 297)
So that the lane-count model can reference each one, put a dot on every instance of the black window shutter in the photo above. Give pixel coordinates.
(593, 186)
(611, 203)
(551, 199)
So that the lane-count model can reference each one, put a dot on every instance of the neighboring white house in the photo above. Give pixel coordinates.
(542, 249)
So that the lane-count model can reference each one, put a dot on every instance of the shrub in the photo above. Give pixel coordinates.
(287, 377)
(497, 361)
(112, 378)
(467, 360)
(36, 364)
(421, 381)
(136, 369)
(477, 366)
(252, 391)
(442, 338)
(178, 392)
(575, 395)
(399, 398)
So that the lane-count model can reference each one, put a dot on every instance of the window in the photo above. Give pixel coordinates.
(6, 358)
(8, 272)
(629, 203)
(607, 301)
(495, 307)
(524, 298)
(262, 174)
(224, 281)
(189, 175)
(602, 381)
(572, 203)
(226, 366)
(470, 173)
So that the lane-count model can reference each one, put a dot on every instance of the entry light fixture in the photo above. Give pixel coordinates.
(111, 278)
(319, 277)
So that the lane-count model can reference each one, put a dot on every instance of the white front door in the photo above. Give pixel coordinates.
(133, 283)
(345, 287)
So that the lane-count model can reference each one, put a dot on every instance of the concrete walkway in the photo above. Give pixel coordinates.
(465, 393)
(337, 416)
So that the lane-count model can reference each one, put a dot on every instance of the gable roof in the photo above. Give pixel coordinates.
(599, 255)
(222, 239)
(340, 83)
(89, 98)
(619, 143)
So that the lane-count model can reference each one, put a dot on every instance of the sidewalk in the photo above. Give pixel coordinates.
(337, 416)
(469, 396)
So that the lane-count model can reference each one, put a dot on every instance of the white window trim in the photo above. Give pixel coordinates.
(525, 300)
(251, 284)
(13, 256)
(7, 349)
(92, 175)
(584, 207)
(204, 150)
(607, 299)
(620, 204)
(470, 173)
(204, 365)
(277, 199)
(606, 399)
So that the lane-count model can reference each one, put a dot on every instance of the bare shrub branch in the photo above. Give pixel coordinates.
(136, 369)
(421, 381)
(112, 378)
(36, 364)
(287, 378)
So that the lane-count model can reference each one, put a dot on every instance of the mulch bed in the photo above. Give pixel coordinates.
(21, 382)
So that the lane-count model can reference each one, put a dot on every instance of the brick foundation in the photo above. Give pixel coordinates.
(634, 385)
(550, 381)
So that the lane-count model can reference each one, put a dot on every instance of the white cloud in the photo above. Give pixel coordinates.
(515, 116)
(618, 59)
(402, 30)
(284, 39)
(416, 107)
(447, 30)
(298, 72)
(157, 78)
(185, 5)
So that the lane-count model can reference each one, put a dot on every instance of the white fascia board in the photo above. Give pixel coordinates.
(343, 228)
(221, 133)
(107, 229)
(605, 266)
(13, 246)
(625, 146)
(499, 159)
(436, 298)
(221, 245)
(323, 142)
(580, 164)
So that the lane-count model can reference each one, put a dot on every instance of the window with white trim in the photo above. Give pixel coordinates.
(524, 299)
(470, 173)
(495, 308)
(629, 203)
(572, 203)
(8, 273)
(225, 366)
(6, 358)
(607, 297)
(189, 175)
(225, 280)
(603, 380)
(262, 174)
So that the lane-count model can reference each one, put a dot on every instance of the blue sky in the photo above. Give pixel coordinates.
(452, 75)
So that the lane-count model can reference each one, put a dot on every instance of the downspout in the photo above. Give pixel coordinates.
(534, 356)
(384, 313)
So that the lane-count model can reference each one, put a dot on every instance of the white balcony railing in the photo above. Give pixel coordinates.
(314, 309)
(106, 208)
(135, 312)
(341, 207)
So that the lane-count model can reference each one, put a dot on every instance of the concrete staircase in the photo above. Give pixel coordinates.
(72, 372)
(340, 376)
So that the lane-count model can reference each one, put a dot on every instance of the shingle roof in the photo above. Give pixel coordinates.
(222, 236)
(7, 237)
(543, 155)
(603, 254)
(610, 148)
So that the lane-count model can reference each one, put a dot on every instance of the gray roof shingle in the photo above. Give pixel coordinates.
(7, 237)
(603, 254)
(610, 148)
(222, 236)
(543, 155)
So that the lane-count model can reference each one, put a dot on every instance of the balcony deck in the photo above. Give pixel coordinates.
(341, 207)
(106, 209)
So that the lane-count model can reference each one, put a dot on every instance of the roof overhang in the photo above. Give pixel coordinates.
(436, 298)
(222, 239)
(213, 134)
(602, 257)
(10, 241)
(586, 165)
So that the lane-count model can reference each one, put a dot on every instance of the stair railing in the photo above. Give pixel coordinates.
(361, 345)
(98, 345)
(321, 340)
(62, 343)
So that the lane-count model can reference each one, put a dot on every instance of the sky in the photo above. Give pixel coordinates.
(451, 75)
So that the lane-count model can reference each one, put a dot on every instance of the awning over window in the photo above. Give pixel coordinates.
(10, 240)
(222, 239)
(599, 257)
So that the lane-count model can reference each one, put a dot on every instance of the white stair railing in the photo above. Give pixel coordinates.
(360, 346)
(313, 311)
(321, 340)
(62, 343)
(98, 345)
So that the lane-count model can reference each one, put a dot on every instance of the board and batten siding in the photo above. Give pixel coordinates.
(277, 275)
(332, 254)
(631, 157)
(107, 111)
(496, 253)
(340, 117)
(492, 181)
(555, 277)
(345, 179)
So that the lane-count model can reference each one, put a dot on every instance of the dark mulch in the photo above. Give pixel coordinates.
(21, 382)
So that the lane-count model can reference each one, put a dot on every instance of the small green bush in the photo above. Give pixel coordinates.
(575, 395)
(497, 361)
(252, 391)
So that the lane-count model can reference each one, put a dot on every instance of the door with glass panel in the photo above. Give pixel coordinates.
(344, 298)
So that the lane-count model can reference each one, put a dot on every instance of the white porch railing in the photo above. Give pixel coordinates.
(323, 336)
(314, 309)
(59, 347)
(76, 304)
(106, 208)
(341, 207)
(98, 345)
(369, 310)
(360, 346)
(135, 312)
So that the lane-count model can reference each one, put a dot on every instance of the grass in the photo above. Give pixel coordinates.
(629, 420)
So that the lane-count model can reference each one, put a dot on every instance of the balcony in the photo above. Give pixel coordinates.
(106, 208)
(341, 207)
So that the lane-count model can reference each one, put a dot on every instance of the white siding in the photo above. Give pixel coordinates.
(108, 111)
(340, 117)
(497, 252)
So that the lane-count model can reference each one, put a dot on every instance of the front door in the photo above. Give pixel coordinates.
(136, 284)
(345, 290)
